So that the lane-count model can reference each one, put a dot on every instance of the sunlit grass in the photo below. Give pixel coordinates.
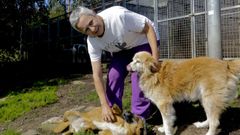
(10, 132)
(92, 97)
(17, 103)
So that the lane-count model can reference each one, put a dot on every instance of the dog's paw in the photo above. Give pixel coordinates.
(158, 129)
(200, 124)
(161, 129)
(208, 133)
(175, 130)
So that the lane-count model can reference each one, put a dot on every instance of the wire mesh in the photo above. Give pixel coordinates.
(230, 22)
(178, 8)
(175, 29)
(183, 28)
(200, 35)
(199, 6)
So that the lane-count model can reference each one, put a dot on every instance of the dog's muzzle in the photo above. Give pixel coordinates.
(128, 116)
(129, 68)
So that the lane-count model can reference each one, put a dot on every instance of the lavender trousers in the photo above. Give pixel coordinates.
(115, 82)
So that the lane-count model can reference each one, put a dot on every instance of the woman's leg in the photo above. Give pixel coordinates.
(140, 104)
(115, 78)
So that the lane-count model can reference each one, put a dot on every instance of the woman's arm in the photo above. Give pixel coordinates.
(152, 39)
(100, 88)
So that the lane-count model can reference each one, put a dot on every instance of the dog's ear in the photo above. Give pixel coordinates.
(116, 110)
(155, 66)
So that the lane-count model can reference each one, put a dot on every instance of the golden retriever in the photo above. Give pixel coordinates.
(76, 121)
(211, 81)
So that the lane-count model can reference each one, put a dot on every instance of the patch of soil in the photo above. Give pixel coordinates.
(74, 94)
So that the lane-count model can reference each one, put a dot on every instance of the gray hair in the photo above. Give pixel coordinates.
(77, 13)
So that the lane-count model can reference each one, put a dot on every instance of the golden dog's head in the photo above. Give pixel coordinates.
(143, 62)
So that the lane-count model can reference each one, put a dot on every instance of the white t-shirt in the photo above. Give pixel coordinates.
(122, 31)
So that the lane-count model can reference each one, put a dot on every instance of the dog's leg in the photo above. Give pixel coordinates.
(201, 124)
(213, 118)
(213, 112)
(168, 116)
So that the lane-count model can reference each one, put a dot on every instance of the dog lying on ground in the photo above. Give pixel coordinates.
(211, 81)
(92, 120)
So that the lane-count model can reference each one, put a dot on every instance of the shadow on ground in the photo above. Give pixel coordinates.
(16, 76)
(188, 113)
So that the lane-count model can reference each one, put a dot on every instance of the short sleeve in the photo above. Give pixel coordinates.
(134, 22)
(94, 52)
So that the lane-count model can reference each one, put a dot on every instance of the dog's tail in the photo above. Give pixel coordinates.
(234, 67)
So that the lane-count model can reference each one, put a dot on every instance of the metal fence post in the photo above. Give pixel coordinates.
(155, 14)
(193, 32)
(214, 29)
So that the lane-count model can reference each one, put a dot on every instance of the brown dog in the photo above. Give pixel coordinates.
(92, 120)
(211, 81)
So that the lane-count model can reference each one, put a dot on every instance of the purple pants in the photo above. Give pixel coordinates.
(115, 82)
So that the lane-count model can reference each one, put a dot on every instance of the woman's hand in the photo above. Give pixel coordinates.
(107, 114)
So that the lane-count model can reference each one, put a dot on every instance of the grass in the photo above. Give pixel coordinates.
(127, 96)
(18, 103)
(10, 132)
(92, 97)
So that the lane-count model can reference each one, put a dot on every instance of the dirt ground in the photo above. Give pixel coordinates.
(73, 95)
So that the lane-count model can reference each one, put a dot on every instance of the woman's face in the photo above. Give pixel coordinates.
(91, 25)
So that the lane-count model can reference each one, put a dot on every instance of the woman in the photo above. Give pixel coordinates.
(122, 33)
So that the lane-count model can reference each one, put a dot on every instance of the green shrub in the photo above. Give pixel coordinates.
(10, 56)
